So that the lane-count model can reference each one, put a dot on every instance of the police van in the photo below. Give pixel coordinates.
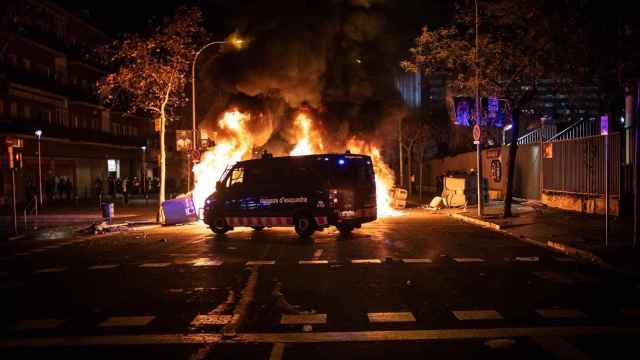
(309, 193)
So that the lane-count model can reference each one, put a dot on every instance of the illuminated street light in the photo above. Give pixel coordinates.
(38, 135)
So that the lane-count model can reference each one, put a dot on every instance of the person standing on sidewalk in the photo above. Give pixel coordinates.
(125, 190)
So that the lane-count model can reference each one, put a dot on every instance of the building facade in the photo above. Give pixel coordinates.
(47, 83)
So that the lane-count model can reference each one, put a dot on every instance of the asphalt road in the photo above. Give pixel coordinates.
(418, 285)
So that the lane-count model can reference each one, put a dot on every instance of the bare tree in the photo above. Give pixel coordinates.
(152, 73)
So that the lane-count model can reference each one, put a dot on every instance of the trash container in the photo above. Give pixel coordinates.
(107, 212)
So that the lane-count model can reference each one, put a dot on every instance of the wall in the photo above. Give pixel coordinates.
(493, 167)
(526, 183)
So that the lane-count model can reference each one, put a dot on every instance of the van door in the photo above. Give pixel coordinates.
(235, 192)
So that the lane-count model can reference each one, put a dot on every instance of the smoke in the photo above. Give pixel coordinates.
(336, 59)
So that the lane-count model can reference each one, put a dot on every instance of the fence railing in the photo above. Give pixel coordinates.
(580, 129)
(576, 166)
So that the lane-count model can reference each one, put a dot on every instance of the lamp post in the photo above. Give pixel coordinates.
(38, 135)
(144, 171)
(478, 122)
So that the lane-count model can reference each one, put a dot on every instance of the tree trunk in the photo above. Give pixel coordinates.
(421, 166)
(163, 167)
(513, 148)
(409, 171)
(163, 154)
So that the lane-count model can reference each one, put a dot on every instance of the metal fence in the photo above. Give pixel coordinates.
(576, 166)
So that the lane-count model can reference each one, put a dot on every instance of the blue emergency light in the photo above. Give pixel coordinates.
(341, 161)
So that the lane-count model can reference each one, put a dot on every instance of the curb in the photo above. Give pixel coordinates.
(470, 220)
(555, 246)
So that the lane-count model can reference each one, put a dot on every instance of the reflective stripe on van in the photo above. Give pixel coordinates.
(269, 221)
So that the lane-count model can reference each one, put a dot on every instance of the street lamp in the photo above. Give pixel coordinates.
(236, 42)
(38, 135)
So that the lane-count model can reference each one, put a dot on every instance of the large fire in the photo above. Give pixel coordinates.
(234, 143)
(308, 139)
(231, 146)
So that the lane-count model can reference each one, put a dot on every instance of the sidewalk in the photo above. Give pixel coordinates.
(69, 216)
(575, 234)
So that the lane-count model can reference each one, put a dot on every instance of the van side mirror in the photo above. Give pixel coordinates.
(219, 186)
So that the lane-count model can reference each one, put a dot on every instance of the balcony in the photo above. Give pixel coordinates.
(29, 126)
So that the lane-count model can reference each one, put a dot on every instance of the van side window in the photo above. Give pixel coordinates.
(237, 177)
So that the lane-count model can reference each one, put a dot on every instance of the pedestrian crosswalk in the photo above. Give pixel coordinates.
(200, 261)
(291, 322)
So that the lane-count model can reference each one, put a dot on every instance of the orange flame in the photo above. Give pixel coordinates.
(309, 140)
(384, 175)
(235, 144)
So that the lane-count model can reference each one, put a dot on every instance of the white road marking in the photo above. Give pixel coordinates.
(366, 261)
(124, 321)
(527, 258)
(103, 267)
(417, 261)
(560, 348)
(468, 260)
(477, 315)
(206, 262)
(38, 324)
(317, 253)
(211, 320)
(391, 317)
(184, 261)
(50, 270)
(307, 262)
(303, 319)
(155, 265)
(334, 336)
(561, 314)
(260, 262)
(277, 351)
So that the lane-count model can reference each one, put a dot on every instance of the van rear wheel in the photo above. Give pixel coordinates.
(305, 225)
(219, 225)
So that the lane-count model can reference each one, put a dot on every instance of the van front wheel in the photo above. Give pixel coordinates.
(219, 225)
(305, 225)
